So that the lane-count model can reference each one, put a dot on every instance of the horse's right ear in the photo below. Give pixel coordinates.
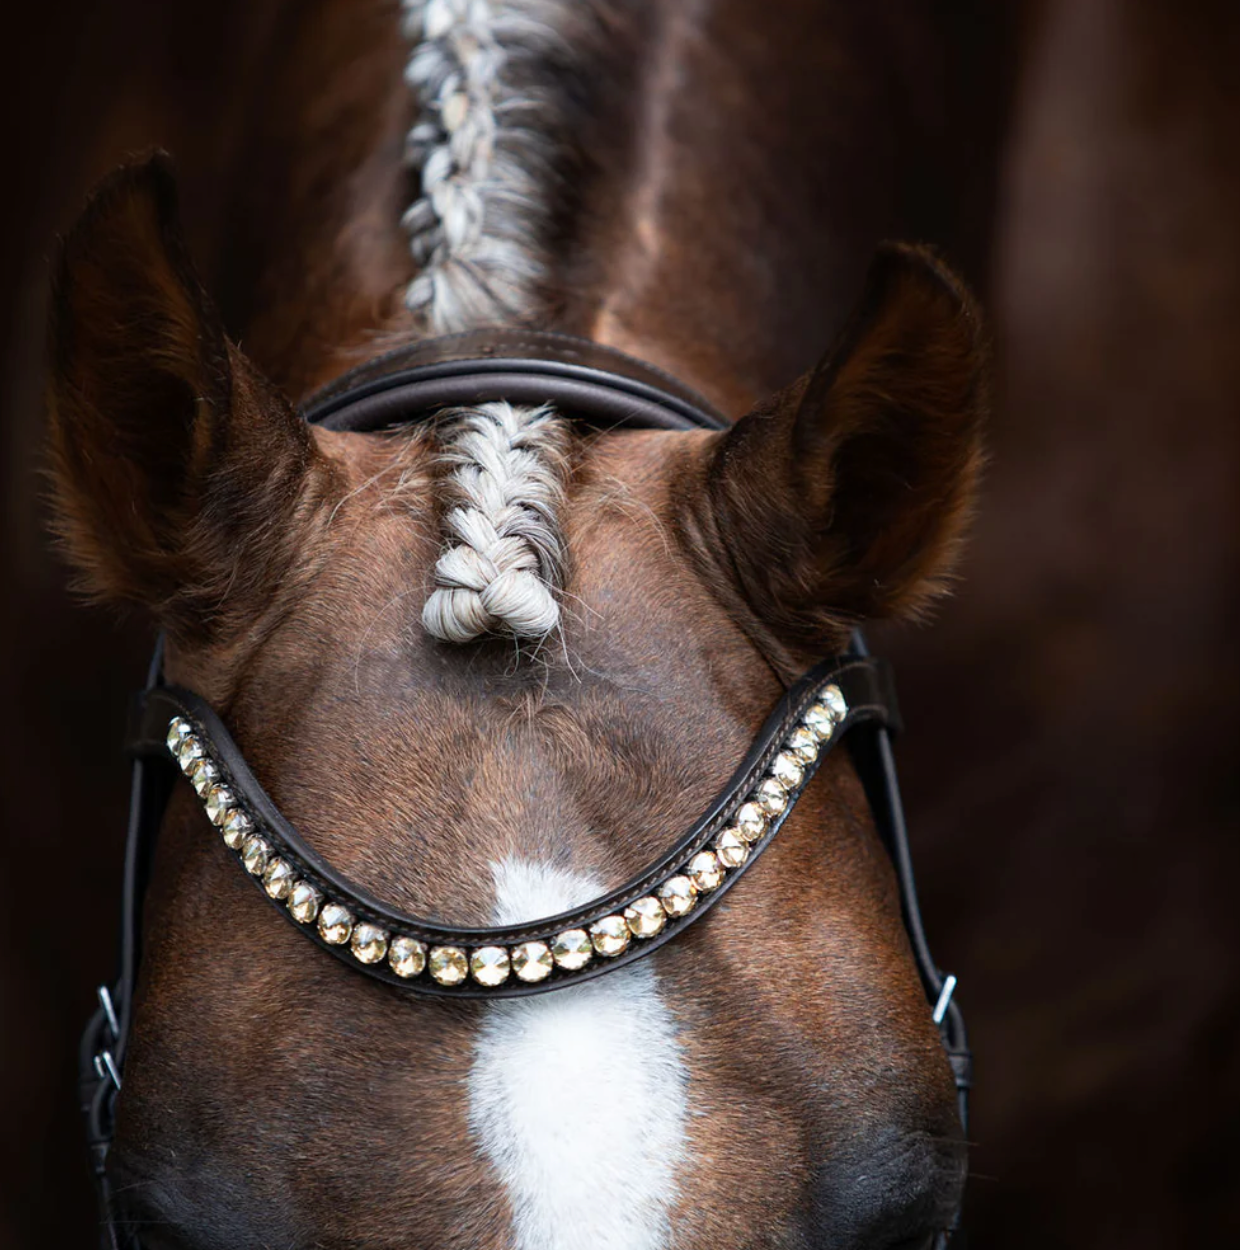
(170, 454)
(845, 497)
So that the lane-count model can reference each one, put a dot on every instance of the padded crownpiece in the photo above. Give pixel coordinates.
(586, 381)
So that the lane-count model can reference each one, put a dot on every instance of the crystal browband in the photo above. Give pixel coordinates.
(574, 946)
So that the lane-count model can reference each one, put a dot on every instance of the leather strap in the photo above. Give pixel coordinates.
(866, 686)
(592, 383)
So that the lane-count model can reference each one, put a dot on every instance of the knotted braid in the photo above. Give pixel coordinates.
(503, 561)
(474, 232)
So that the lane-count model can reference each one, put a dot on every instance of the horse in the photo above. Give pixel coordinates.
(488, 662)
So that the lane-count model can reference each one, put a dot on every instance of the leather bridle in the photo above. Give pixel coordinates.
(851, 695)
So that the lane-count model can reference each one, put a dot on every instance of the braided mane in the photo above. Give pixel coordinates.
(503, 556)
(483, 149)
(483, 145)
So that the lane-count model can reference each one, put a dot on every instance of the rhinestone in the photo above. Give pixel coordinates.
(254, 855)
(335, 924)
(369, 943)
(407, 956)
(189, 753)
(203, 776)
(732, 849)
(819, 721)
(304, 902)
(219, 804)
(448, 965)
(678, 896)
(490, 965)
(772, 797)
(236, 828)
(705, 872)
(178, 731)
(531, 961)
(278, 878)
(750, 821)
(833, 697)
(645, 917)
(572, 949)
(787, 770)
(803, 744)
(609, 935)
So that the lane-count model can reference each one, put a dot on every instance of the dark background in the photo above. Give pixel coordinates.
(1071, 765)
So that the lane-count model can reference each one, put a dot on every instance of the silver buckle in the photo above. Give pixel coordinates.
(105, 1067)
(945, 998)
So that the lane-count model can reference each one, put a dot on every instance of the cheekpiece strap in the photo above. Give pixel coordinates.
(176, 727)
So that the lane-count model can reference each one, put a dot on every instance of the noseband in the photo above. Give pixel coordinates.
(174, 732)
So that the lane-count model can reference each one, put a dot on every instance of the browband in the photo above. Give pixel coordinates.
(175, 726)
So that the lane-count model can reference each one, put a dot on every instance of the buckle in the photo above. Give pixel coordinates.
(105, 1067)
(104, 1061)
(945, 998)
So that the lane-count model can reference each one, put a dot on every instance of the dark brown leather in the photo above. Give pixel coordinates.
(584, 380)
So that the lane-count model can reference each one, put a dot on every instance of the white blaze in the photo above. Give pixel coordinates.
(578, 1097)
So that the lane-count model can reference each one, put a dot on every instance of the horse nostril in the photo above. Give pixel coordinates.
(914, 1243)
(897, 1190)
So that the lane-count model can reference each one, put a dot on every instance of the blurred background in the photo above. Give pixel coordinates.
(1071, 766)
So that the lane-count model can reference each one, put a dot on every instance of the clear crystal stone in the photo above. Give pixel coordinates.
(335, 924)
(203, 776)
(490, 965)
(236, 828)
(819, 721)
(787, 770)
(645, 917)
(532, 961)
(219, 804)
(572, 949)
(750, 822)
(705, 871)
(833, 698)
(278, 878)
(731, 849)
(803, 744)
(610, 935)
(189, 753)
(178, 731)
(369, 943)
(406, 956)
(678, 896)
(448, 964)
(304, 902)
(772, 797)
(254, 855)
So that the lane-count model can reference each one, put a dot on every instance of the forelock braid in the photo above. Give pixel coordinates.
(503, 561)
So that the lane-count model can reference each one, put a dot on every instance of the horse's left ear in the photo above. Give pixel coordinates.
(177, 469)
(846, 497)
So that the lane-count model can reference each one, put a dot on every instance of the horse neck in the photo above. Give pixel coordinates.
(722, 174)
(765, 154)
(307, 261)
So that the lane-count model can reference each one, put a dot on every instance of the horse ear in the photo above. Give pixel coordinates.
(846, 497)
(175, 466)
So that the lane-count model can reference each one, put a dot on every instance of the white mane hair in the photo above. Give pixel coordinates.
(483, 145)
(503, 558)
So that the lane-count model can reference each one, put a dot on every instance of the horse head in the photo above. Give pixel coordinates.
(490, 670)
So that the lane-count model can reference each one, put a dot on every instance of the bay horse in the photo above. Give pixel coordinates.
(489, 663)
